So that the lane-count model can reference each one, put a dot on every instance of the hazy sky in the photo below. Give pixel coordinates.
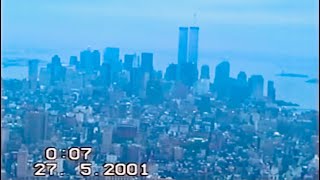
(288, 27)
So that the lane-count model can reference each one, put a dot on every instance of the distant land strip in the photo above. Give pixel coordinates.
(293, 75)
(313, 81)
(17, 62)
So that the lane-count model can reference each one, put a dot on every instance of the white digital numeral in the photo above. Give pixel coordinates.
(144, 171)
(74, 154)
(51, 168)
(120, 169)
(51, 153)
(132, 169)
(40, 169)
(86, 152)
(85, 169)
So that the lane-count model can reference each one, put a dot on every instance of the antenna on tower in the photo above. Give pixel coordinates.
(195, 18)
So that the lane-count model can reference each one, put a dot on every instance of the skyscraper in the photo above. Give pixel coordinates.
(73, 79)
(111, 55)
(128, 61)
(171, 72)
(239, 90)
(147, 62)
(107, 135)
(85, 58)
(205, 72)
(136, 62)
(256, 86)
(95, 59)
(221, 79)
(193, 45)
(189, 74)
(136, 81)
(105, 75)
(22, 162)
(33, 73)
(89, 60)
(73, 61)
(242, 78)
(271, 93)
(5, 132)
(44, 76)
(57, 72)
(183, 45)
(35, 127)
(55, 61)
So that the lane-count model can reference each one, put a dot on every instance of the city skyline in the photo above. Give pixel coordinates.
(147, 90)
(116, 114)
(118, 57)
(109, 64)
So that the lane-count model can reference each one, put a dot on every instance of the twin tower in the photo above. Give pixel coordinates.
(188, 45)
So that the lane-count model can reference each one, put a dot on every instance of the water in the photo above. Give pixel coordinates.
(287, 88)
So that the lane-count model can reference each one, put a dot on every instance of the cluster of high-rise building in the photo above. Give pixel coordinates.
(134, 73)
(179, 122)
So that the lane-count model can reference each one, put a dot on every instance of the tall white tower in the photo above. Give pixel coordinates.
(183, 45)
(193, 45)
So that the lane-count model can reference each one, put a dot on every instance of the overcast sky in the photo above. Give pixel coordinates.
(288, 27)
